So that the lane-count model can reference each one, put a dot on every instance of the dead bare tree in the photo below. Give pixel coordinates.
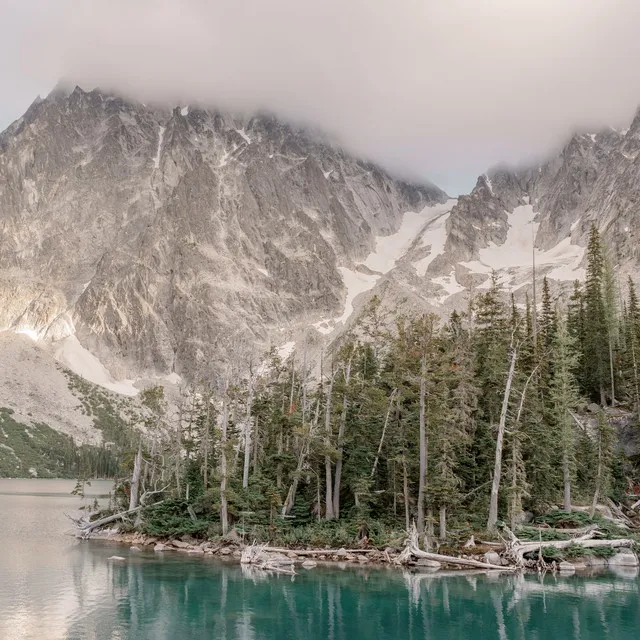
(497, 468)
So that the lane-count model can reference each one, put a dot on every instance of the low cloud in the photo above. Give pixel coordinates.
(429, 88)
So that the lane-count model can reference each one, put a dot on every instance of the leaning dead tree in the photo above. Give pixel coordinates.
(84, 527)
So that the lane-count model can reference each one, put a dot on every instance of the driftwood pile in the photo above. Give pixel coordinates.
(513, 550)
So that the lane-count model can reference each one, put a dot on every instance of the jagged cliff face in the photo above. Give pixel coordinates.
(142, 242)
(156, 239)
(595, 179)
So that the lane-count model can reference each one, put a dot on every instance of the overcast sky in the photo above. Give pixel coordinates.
(429, 88)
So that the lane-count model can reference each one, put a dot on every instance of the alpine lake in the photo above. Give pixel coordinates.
(53, 586)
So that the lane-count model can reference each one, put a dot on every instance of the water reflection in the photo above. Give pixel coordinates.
(173, 597)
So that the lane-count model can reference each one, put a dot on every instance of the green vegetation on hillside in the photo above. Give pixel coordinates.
(40, 451)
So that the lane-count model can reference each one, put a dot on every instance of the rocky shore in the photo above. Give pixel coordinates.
(231, 547)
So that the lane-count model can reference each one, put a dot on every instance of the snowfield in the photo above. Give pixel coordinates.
(517, 252)
(428, 223)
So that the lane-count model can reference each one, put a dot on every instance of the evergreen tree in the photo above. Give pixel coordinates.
(565, 398)
(596, 346)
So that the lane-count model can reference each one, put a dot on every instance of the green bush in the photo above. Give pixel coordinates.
(171, 518)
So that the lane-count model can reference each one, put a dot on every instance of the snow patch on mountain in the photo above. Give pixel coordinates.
(81, 361)
(517, 251)
(390, 248)
(449, 284)
(156, 159)
(435, 237)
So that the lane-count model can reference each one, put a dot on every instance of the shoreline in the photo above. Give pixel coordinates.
(374, 558)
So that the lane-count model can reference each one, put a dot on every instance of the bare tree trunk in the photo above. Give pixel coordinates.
(247, 436)
(135, 478)
(205, 443)
(224, 506)
(566, 473)
(255, 447)
(443, 522)
(611, 371)
(497, 469)
(596, 493)
(178, 451)
(341, 431)
(405, 489)
(635, 374)
(384, 431)
(327, 458)
(516, 505)
(423, 443)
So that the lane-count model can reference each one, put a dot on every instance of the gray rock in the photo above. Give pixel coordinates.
(134, 548)
(491, 557)
(117, 558)
(226, 551)
(179, 544)
(566, 567)
(309, 564)
(167, 210)
(624, 558)
(594, 561)
(341, 553)
(161, 547)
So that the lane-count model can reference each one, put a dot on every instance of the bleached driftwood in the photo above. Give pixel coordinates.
(257, 556)
(516, 549)
(84, 527)
(412, 550)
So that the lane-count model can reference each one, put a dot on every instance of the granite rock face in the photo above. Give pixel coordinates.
(138, 241)
(160, 238)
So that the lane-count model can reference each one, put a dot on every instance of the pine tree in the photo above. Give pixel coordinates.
(565, 398)
(596, 348)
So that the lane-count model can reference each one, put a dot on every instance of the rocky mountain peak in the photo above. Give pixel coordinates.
(154, 238)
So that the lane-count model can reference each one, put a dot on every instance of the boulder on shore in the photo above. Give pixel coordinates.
(624, 558)
(491, 557)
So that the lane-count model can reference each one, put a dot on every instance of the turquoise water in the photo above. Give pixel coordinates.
(52, 586)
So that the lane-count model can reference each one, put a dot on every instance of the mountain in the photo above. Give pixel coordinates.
(139, 242)
(143, 244)
(593, 180)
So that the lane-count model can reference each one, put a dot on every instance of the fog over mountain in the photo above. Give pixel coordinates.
(434, 88)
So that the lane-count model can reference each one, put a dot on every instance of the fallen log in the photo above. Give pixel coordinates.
(517, 549)
(85, 527)
(317, 552)
(413, 550)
